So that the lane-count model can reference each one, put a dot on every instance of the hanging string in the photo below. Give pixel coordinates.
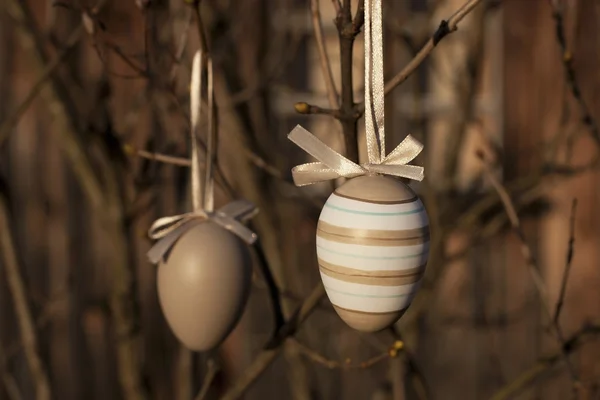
(211, 145)
(202, 199)
(168, 230)
(196, 116)
(374, 82)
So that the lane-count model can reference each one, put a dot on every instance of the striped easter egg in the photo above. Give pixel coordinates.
(372, 246)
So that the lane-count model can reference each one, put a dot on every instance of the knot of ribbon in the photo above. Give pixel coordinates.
(168, 230)
(331, 164)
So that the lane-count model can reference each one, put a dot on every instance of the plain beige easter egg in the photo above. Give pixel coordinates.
(204, 285)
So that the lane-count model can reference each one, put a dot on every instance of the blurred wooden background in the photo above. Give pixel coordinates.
(88, 90)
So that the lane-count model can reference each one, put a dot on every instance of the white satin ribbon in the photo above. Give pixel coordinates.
(169, 229)
(333, 165)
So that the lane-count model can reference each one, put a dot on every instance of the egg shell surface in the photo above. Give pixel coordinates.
(204, 285)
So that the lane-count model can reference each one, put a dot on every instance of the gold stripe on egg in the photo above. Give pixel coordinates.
(348, 311)
(377, 278)
(387, 202)
(373, 237)
(368, 321)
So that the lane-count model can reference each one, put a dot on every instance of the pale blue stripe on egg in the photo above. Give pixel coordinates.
(333, 215)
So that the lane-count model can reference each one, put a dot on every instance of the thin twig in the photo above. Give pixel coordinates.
(337, 6)
(332, 93)
(10, 385)
(272, 288)
(359, 18)
(418, 379)
(259, 162)
(314, 356)
(185, 162)
(273, 347)
(570, 252)
(62, 108)
(168, 89)
(44, 317)
(163, 158)
(12, 120)
(211, 373)
(531, 263)
(306, 109)
(290, 295)
(529, 376)
(70, 131)
(347, 32)
(446, 27)
(182, 43)
(571, 76)
(21, 304)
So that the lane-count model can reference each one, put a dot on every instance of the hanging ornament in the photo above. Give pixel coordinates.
(204, 264)
(373, 232)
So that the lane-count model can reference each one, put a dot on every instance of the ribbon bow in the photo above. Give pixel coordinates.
(169, 229)
(333, 165)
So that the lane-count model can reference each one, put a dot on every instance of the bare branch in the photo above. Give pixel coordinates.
(314, 356)
(570, 252)
(347, 35)
(272, 288)
(182, 44)
(44, 317)
(418, 380)
(70, 131)
(567, 61)
(213, 369)
(163, 158)
(332, 93)
(62, 108)
(185, 162)
(359, 18)
(11, 121)
(531, 265)
(272, 349)
(307, 109)
(529, 376)
(337, 5)
(10, 385)
(21, 304)
(446, 27)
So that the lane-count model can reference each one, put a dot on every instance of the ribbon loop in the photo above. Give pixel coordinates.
(325, 154)
(234, 226)
(164, 226)
(413, 172)
(169, 229)
(239, 209)
(405, 152)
